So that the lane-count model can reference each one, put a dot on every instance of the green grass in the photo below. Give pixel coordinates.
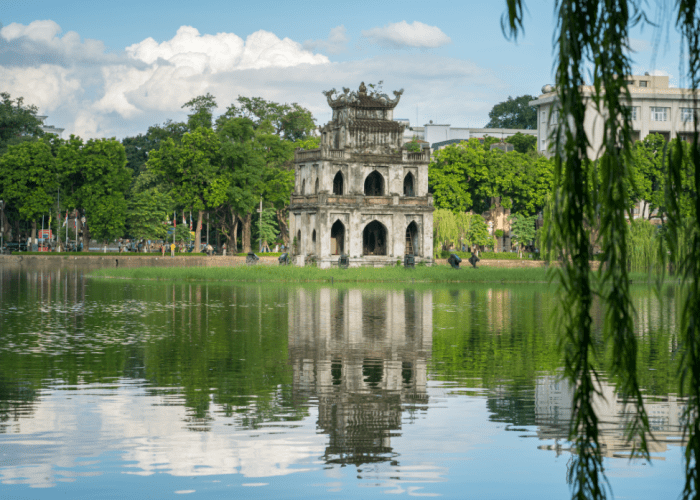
(421, 274)
(291, 274)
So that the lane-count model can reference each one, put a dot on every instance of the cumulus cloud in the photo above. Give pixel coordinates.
(124, 93)
(335, 43)
(403, 35)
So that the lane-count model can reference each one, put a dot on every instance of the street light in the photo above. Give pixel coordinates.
(2, 226)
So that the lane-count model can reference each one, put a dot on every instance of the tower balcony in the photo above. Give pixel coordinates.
(360, 200)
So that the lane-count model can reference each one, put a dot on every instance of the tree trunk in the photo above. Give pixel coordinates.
(233, 238)
(198, 232)
(86, 238)
(282, 223)
(33, 237)
(246, 233)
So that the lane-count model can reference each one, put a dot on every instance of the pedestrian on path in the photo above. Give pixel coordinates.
(172, 249)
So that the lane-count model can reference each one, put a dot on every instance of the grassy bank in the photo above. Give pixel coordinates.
(289, 274)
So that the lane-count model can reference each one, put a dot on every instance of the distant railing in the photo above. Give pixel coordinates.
(422, 156)
(301, 155)
(357, 200)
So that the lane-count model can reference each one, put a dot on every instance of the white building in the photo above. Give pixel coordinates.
(655, 108)
(49, 129)
(441, 135)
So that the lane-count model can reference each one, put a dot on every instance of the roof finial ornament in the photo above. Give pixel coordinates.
(363, 89)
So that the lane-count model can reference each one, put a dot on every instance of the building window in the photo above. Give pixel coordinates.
(544, 117)
(543, 144)
(659, 114)
(687, 115)
(634, 113)
(629, 82)
(643, 83)
(555, 117)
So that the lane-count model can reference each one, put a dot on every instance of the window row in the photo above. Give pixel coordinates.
(656, 113)
(374, 185)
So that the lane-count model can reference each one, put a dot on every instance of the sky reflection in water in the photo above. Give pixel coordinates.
(116, 388)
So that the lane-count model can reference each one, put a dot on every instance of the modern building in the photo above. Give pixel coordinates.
(655, 108)
(361, 193)
(49, 129)
(439, 136)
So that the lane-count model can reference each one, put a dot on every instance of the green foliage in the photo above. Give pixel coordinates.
(18, 122)
(451, 230)
(522, 228)
(592, 42)
(201, 115)
(523, 143)
(466, 176)
(96, 180)
(148, 211)
(265, 227)
(514, 113)
(291, 121)
(413, 146)
(29, 179)
(192, 169)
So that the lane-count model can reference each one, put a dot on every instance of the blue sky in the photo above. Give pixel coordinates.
(112, 68)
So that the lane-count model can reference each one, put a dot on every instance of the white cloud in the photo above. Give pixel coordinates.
(401, 35)
(124, 93)
(335, 44)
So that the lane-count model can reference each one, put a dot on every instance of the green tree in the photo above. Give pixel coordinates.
(193, 171)
(592, 47)
(522, 229)
(95, 180)
(148, 211)
(202, 111)
(523, 143)
(18, 122)
(514, 113)
(29, 180)
(290, 121)
(456, 176)
(265, 228)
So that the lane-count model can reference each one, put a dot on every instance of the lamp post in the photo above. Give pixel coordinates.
(2, 226)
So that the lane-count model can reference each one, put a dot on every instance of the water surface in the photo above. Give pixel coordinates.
(124, 388)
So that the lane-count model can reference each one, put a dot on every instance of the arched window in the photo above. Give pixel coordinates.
(337, 238)
(412, 239)
(408, 185)
(338, 183)
(374, 239)
(298, 249)
(374, 184)
(316, 186)
(313, 237)
(303, 187)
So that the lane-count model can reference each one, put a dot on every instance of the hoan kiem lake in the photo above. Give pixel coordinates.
(152, 389)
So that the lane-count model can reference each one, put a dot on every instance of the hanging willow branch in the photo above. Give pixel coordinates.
(592, 33)
(688, 258)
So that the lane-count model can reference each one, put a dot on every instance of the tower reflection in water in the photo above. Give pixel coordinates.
(362, 353)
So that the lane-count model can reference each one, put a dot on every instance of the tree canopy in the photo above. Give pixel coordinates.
(514, 113)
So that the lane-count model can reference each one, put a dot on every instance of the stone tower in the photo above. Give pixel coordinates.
(361, 193)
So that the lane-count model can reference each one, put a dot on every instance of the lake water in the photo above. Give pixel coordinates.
(125, 389)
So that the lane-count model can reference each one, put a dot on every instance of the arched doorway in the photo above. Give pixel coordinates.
(313, 241)
(408, 185)
(337, 238)
(374, 239)
(412, 239)
(316, 186)
(374, 184)
(338, 183)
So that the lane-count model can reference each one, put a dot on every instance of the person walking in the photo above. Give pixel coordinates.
(172, 249)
